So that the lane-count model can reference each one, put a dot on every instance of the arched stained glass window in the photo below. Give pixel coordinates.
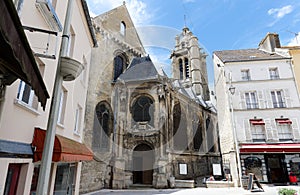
(142, 109)
(118, 66)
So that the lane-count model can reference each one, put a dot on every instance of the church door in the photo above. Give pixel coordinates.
(143, 159)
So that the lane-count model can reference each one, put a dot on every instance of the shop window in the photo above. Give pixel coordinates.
(253, 165)
(65, 179)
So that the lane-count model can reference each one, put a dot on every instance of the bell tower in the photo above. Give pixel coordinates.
(189, 63)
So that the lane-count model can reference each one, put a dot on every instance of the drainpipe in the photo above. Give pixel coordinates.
(44, 175)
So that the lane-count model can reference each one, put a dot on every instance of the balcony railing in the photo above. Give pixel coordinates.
(279, 104)
(252, 105)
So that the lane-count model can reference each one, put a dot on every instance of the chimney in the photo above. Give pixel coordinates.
(270, 42)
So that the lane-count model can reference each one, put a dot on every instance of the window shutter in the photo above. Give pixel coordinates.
(243, 103)
(295, 129)
(274, 130)
(268, 129)
(247, 130)
(269, 103)
(260, 99)
(287, 98)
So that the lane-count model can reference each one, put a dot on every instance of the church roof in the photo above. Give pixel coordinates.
(187, 90)
(140, 69)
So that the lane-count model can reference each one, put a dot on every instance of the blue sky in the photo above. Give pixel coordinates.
(218, 24)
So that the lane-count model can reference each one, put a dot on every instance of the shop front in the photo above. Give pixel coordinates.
(271, 163)
(66, 163)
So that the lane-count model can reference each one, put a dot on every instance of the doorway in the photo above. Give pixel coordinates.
(12, 178)
(143, 159)
(277, 171)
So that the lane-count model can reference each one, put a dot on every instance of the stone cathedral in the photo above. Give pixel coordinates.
(144, 127)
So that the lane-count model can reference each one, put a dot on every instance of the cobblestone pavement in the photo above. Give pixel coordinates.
(268, 190)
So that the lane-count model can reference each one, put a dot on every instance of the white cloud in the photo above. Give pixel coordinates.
(137, 9)
(280, 12)
(188, 1)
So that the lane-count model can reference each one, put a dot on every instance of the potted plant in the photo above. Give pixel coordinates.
(287, 191)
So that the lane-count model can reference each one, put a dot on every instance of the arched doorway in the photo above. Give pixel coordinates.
(143, 159)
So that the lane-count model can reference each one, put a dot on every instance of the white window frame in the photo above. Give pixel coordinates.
(284, 132)
(21, 90)
(258, 132)
(78, 117)
(251, 100)
(246, 75)
(277, 99)
(274, 73)
(71, 43)
(62, 106)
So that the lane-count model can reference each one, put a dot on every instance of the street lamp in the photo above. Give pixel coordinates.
(232, 91)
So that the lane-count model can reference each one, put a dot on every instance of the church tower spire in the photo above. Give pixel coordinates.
(189, 63)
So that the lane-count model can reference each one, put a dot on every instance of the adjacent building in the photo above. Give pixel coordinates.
(263, 111)
(143, 127)
(23, 121)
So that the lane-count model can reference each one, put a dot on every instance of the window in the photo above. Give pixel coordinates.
(284, 129)
(18, 5)
(198, 137)
(210, 135)
(180, 69)
(78, 117)
(179, 129)
(187, 68)
(277, 99)
(273, 73)
(258, 130)
(143, 109)
(119, 66)
(245, 75)
(102, 126)
(251, 100)
(71, 43)
(62, 106)
(123, 28)
(25, 94)
(83, 75)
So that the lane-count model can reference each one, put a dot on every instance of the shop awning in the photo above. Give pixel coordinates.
(270, 148)
(65, 150)
(257, 122)
(284, 121)
(16, 57)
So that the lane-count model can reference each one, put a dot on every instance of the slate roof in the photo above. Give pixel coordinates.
(246, 55)
(140, 69)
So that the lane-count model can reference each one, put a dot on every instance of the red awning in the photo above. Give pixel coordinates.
(257, 122)
(284, 121)
(270, 148)
(16, 57)
(65, 150)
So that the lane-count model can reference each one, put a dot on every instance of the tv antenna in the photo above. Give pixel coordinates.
(296, 35)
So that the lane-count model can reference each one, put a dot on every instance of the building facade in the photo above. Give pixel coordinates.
(264, 110)
(22, 141)
(145, 128)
